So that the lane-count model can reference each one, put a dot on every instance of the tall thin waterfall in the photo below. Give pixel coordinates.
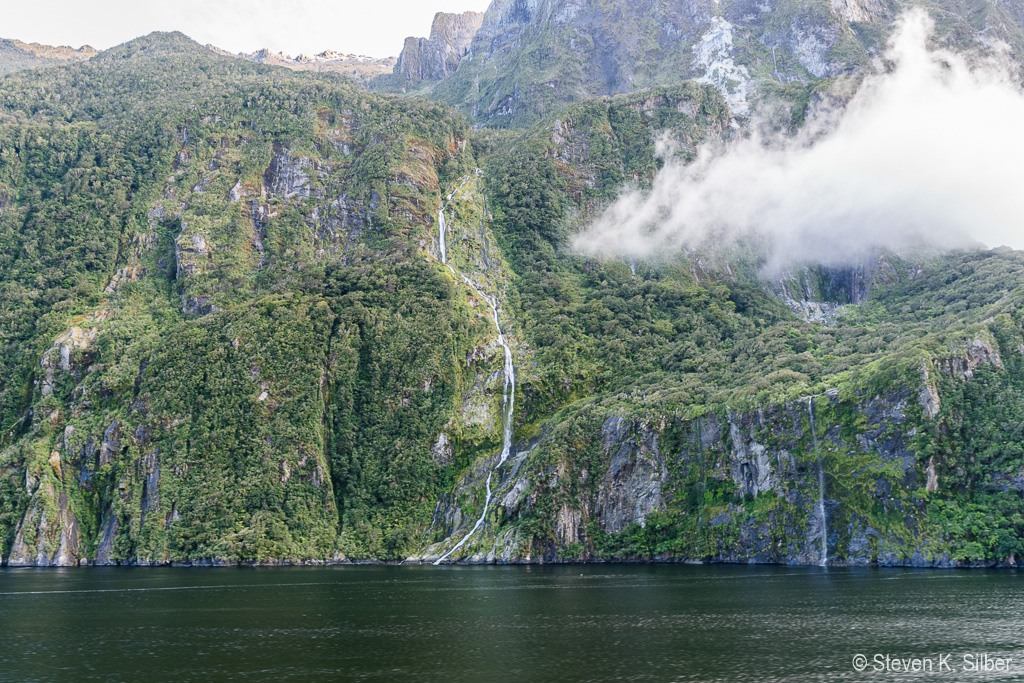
(441, 229)
(821, 487)
(508, 390)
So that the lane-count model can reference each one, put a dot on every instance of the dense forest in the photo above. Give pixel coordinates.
(228, 337)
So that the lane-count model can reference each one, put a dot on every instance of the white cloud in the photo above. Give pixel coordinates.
(291, 26)
(932, 151)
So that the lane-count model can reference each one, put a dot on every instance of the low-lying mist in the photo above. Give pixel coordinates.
(931, 152)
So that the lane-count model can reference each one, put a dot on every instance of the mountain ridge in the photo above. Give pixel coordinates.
(16, 55)
(230, 336)
(529, 58)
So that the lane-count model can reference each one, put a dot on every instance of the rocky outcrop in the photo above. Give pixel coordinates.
(977, 353)
(510, 492)
(861, 10)
(714, 56)
(819, 293)
(105, 547)
(928, 397)
(441, 452)
(718, 467)
(48, 534)
(61, 357)
(191, 253)
(631, 487)
(339, 226)
(287, 177)
(439, 56)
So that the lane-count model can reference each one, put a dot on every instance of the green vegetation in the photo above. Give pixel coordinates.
(225, 336)
(264, 422)
(669, 344)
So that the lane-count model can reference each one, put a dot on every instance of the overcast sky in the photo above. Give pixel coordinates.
(372, 27)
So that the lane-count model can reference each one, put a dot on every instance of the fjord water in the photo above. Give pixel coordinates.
(699, 623)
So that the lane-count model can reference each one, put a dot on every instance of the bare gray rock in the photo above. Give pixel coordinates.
(433, 58)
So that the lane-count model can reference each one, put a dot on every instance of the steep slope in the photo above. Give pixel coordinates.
(530, 58)
(250, 315)
(220, 342)
(677, 412)
(425, 61)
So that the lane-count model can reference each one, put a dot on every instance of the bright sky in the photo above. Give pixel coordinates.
(372, 27)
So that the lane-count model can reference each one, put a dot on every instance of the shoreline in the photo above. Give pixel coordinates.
(271, 564)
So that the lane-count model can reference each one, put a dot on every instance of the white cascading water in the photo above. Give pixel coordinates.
(441, 229)
(442, 226)
(821, 487)
(509, 388)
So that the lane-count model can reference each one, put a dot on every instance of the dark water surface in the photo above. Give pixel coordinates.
(500, 623)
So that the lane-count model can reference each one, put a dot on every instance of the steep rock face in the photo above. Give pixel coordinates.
(963, 364)
(738, 487)
(48, 535)
(287, 177)
(819, 293)
(530, 57)
(847, 477)
(191, 401)
(436, 57)
(631, 487)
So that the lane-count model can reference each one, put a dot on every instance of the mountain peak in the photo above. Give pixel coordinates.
(16, 55)
(360, 67)
(531, 57)
(437, 57)
(158, 42)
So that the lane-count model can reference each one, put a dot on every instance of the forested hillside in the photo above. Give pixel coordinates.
(234, 333)
(211, 275)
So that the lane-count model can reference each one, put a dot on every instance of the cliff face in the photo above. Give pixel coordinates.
(829, 479)
(873, 461)
(233, 434)
(437, 57)
(530, 57)
(252, 317)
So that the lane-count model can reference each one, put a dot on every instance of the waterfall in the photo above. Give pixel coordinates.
(441, 229)
(821, 487)
(442, 226)
(508, 388)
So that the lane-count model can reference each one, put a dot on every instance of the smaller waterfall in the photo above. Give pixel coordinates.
(821, 487)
